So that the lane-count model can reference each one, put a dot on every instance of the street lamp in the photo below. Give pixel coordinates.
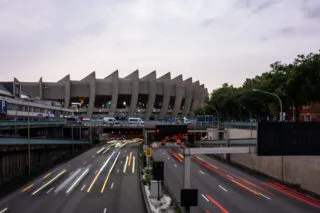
(250, 118)
(293, 107)
(270, 93)
(215, 109)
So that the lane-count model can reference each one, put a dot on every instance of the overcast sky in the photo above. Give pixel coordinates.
(213, 41)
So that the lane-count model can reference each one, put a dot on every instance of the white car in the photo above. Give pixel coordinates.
(110, 120)
(135, 121)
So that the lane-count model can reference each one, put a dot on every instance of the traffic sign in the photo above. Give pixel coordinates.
(148, 152)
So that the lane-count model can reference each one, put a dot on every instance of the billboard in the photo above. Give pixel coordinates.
(3, 107)
(288, 139)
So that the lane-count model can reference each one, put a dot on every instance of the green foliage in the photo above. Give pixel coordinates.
(298, 83)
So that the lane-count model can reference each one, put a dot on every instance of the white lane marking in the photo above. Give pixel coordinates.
(204, 197)
(83, 187)
(133, 163)
(96, 172)
(84, 163)
(121, 162)
(53, 179)
(105, 210)
(111, 186)
(103, 166)
(100, 150)
(118, 171)
(78, 180)
(110, 170)
(230, 176)
(105, 150)
(125, 165)
(224, 189)
(265, 196)
(50, 190)
(168, 158)
(201, 172)
(68, 180)
(175, 165)
(3, 210)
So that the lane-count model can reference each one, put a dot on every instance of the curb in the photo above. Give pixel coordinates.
(146, 202)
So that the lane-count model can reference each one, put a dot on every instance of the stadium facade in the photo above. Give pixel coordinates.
(146, 97)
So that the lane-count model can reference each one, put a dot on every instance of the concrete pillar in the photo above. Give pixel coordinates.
(66, 82)
(166, 81)
(152, 87)
(91, 81)
(134, 79)
(195, 104)
(178, 97)
(114, 77)
(188, 96)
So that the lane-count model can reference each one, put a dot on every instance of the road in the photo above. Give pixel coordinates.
(223, 188)
(103, 179)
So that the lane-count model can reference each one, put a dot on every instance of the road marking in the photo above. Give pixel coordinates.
(78, 180)
(133, 163)
(121, 162)
(223, 188)
(105, 210)
(3, 210)
(27, 188)
(83, 187)
(204, 197)
(96, 177)
(50, 190)
(168, 158)
(118, 171)
(53, 179)
(217, 204)
(265, 196)
(100, 150)
(84, 163)
(175, 165)
(47, 175)
(230, 176)
(105, 151)
(201, 172)
(129, 164)
(125, 165)
(96, 172)
(68, 180)
(111, 186)
(105, 182)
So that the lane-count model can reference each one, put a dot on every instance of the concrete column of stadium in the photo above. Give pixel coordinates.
(114, 77)
(188, 96)
(167, 83)
(152, 86)
(91, 81)
(179, 93)
(134, 77)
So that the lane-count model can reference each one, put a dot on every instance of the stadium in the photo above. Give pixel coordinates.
(148, 97)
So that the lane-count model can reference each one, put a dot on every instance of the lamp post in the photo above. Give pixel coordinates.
(293, 107)
(29, 157)
(215, 109)
(270, 93)
(250, 118)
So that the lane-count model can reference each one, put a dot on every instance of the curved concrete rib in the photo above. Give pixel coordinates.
(178, 97)
(166, 81)
(195, 102)
(152, 87)
(188, 97)
(134, 77)
(91, 81)
(114, 77)
(66, 82)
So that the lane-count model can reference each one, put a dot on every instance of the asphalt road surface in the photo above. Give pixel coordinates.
(100, 180)
(223, 188)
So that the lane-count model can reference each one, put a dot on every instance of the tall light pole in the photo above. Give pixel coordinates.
(293, 107)
(215, 109)
(270, 93)
(250, 118)
(29, 157)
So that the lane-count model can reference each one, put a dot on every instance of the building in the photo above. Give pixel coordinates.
(146, 97)
(22, 107)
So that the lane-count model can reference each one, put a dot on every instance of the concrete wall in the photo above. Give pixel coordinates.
(301, 170)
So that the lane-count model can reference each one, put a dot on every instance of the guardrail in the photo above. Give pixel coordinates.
(31, 123)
